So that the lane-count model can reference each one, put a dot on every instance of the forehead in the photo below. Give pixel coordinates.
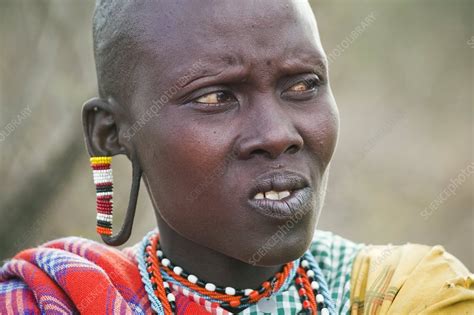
(174, 35)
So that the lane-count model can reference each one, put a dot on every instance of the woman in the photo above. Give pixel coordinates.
(225, 110)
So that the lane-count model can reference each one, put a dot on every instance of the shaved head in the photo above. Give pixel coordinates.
(115, 46)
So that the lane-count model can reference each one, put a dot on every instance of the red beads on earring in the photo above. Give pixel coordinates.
(103, 180)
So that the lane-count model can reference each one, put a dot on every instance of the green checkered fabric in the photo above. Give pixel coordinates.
(334, 256)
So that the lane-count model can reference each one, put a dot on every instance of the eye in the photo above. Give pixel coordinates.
(309, 84)
(216, 98)
(299, 87)
(302, 88)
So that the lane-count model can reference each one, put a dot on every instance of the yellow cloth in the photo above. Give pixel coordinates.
(410, 279)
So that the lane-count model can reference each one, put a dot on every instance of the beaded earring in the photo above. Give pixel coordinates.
(103, 181)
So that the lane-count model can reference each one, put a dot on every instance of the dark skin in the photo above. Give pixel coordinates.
(260, 103)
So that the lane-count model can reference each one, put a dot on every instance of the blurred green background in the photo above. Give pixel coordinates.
(403, 86)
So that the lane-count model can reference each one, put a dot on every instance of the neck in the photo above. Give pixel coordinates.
(209, 265)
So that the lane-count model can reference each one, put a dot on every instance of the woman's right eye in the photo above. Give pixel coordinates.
(216, 98)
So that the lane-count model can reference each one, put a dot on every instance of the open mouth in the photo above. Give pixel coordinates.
(272, 195)
(281, 195)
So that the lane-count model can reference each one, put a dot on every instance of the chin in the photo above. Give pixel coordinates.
(284, 250)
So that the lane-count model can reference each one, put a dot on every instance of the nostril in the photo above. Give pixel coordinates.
(269, 153)
(259, 152)
(292, 149)
(270, 146)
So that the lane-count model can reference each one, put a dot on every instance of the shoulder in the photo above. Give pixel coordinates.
(328, 247)
(335, 256)
(410, 278)
(55, 274)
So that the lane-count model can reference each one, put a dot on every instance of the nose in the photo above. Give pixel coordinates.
(269, 132)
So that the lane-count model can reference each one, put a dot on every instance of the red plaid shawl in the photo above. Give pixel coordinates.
(73, 275)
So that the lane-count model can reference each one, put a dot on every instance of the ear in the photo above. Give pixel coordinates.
(100, 121)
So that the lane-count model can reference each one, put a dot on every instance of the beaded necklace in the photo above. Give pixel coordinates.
(159, 274)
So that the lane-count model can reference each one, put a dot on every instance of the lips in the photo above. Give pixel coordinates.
(280, 194)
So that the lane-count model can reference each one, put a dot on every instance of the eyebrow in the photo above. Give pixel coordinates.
(215, 67)
(306, 61)
(232, 67)
(225, 75)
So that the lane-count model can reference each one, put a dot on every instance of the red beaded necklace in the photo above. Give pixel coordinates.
(231, 299)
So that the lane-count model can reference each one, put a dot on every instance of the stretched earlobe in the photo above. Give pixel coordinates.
(101, 133)
(103, 180)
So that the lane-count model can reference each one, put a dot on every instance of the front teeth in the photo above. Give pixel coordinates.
(273, 195)
(283, 194)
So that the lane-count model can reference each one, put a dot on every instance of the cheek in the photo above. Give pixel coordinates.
(321, 130)
(179, 158)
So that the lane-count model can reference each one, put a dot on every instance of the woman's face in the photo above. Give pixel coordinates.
(237, 157)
